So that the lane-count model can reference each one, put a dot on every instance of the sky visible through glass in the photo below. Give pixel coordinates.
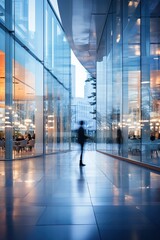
(80, 76)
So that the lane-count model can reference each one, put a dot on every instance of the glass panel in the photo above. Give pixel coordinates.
(2, 94)
(29, 24)
(57, 83)
(132, 80)
(56, 115)
(57, 51)
(101, 100)
(50, 113)
(152, 143)
(2, 10)
(117, 79)
(28, 104)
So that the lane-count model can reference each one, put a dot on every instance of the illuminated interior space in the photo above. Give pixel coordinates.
(104, 188)
(115, 42)
(34, 81)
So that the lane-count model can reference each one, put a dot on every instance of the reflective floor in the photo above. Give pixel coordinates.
(52, 198)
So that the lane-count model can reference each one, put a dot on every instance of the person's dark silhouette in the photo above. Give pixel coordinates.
(81, 140)
(119, 139)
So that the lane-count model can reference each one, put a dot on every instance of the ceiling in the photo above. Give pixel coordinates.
(83, 22)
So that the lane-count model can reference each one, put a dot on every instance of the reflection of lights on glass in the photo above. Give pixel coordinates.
(138, 21)
(158, 52)
(130, 4)
(118, 38)
(64, 39)
(153, 120)
(1, 115)
(17, 123)
(131, 126)
(27, 120)
(144, 82)
(144, 187)
(29, 181)
(127, 197)
(7, 122)
(137, 53)
(135, 4)
(22, 126)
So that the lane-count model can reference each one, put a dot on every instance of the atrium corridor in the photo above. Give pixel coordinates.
(52, 198)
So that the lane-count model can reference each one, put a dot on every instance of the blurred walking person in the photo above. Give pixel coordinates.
(119, 140)
(81, 140)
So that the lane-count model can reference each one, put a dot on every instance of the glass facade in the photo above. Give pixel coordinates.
(128, 78)
(34, 80)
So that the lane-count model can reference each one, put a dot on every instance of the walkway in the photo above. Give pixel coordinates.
(54, 199)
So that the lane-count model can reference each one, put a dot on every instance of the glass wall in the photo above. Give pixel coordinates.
(34, 80)
(28, 24)
(2, 93)
(2, 10)
(128, 69)
(27, 102)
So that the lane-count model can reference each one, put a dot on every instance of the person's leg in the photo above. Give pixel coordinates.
(81, 156)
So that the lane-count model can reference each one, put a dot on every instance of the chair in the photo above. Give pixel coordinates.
(15, 145)
(31, 144)
(134, 146)
(22, 145)
(154, 148)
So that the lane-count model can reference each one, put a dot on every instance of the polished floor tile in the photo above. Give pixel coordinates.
(67, 215)
(53, 198)
(59, 232)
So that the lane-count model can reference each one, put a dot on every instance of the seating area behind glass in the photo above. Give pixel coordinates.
(128, 79)
(34, 80)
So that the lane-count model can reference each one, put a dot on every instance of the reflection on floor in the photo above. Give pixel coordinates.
(148, 156)
(52, 198)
